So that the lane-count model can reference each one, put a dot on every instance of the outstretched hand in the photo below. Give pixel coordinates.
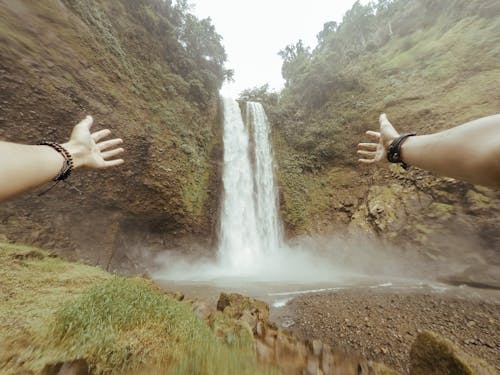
(90, 150)
(375, 152)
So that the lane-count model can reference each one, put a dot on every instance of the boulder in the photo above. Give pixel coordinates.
(432, 354)
(235, 305)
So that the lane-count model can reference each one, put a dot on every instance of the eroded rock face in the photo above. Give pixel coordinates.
(62, 60)
(450, 224)
(432, 354)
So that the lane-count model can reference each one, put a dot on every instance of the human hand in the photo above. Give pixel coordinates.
(375, 152)
(89, 150)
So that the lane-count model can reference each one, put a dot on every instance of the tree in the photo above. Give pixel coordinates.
(323, 36)
(295, 58)
(359, 23)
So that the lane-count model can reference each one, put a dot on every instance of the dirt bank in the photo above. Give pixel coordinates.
(382, 324)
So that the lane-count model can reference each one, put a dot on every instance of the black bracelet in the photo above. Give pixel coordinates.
(394, 152)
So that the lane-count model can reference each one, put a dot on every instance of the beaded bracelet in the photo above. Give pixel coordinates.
(68, 164)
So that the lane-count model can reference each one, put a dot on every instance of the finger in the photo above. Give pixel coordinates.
(100, 134)
(367, 161)
(366, 154)
(86, 122)
(113, 163)
(367, 146)
(374, 135)
(108, 144)
(111, 153)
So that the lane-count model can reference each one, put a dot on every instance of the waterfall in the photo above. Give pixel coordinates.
(251, 247)
(268, 222)
(249, 220)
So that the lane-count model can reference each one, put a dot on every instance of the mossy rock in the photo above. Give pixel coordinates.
(432, 354)
(478, 202)
(235, 304)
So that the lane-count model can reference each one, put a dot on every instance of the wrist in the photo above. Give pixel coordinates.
(77, 152)
(394, 152)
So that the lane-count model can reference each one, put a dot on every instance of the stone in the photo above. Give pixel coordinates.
(76, 367)
(260, 329)
(432, 354)
(264, 353)
(234, 304)
(317, 346)
(201, 310)
(312, 366)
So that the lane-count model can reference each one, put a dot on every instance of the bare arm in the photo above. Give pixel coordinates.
(25, 167)
(469, 152)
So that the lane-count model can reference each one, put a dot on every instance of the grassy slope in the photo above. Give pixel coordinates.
(54, 311)
(429, 80)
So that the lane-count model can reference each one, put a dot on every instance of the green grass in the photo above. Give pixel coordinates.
(53, 311)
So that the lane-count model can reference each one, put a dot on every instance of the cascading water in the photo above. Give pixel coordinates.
(268, 222)
(239, 241)
(249, 222)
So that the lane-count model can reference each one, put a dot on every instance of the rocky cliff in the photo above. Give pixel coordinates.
(429, 66)
(137, 69)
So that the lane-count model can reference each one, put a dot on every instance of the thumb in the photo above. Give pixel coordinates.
(86, 122)
(386, 128)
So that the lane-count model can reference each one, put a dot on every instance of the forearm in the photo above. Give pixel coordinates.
(469, 152)
(24, 167)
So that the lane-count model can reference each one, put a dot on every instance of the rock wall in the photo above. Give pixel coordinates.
(121, 62)
(426, 76)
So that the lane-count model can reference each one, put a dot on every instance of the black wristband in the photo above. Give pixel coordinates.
(394, 152)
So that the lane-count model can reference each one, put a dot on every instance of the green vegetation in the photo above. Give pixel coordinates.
(433, 354)
(430, 65)
(53, 311)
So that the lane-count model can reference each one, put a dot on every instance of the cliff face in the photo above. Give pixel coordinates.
(429, 66)
(131, 65)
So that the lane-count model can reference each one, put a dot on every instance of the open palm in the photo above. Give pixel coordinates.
(373, 152)
(90, 150)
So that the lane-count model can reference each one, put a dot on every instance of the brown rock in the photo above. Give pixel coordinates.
(76, 367)
(260, 329)
(201, 310)
(264, 353)
(248, 317)
(432, 354)
(234, 304)
(312, 366)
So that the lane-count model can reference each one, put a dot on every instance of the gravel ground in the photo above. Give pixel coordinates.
(382, 324)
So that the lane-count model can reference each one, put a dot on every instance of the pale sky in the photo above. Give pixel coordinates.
(255, 31)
